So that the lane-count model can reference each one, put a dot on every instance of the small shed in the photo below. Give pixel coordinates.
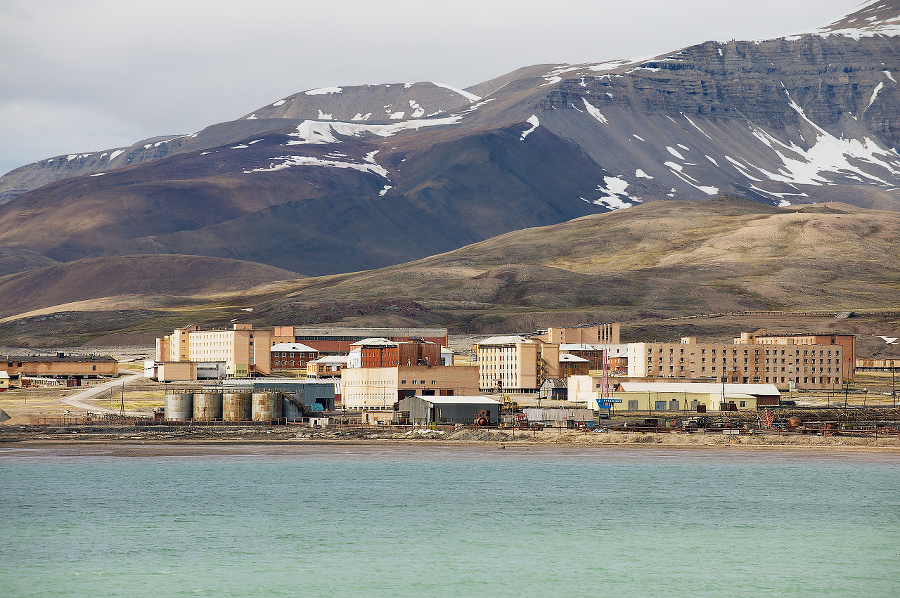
(4, 380)
(555, 388)
(449, 410)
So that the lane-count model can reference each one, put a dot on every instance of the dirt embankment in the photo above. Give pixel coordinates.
(217, 434)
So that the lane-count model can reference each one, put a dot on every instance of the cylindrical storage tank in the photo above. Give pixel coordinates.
(290, 407)
(179, 406)
(236, 406)
(207, 406)
(266, 406)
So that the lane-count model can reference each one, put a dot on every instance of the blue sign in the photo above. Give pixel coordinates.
(607, 403)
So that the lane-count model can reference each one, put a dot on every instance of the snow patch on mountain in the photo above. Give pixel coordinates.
(614, 194)
(593, 111)
(370, 165)
(315, 131)
(324, 91)
(469, 96)
(534, 122)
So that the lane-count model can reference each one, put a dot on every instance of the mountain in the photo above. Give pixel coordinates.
(658, 267)
(352, 178)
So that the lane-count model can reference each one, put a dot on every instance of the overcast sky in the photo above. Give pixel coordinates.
(98, 74)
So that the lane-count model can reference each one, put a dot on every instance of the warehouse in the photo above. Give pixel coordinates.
(449, 410)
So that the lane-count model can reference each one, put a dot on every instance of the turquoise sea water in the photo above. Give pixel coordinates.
(362, 520)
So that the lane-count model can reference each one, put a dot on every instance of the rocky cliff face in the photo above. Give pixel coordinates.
(350, 178)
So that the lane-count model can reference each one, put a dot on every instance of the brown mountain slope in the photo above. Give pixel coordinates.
(130, 279)
(661, 259)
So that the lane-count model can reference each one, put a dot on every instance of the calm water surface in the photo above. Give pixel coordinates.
(447, 521)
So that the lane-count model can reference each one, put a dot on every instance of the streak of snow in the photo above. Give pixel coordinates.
(255, 141)
(641, 174)
(684, 147)
(251, 117)
(889, 76)
(323, 116)
(241, 146)
(203, 153)
(742, 168)
(288, 161)
(324, 91)
(534, 122)
(469, 96)
(398, 115)
(115, 154)
(638, 137)
(98, 174)
(874, 95)
(314, 131)
(713, 160)
(695, 125)
(674, 152)
(385, 190)
(783, 203)
(278, 103)
(593, 111)
(677, 170)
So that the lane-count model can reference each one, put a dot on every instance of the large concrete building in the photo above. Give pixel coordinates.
(382, 352)
(244, 350)
(60, 366)
(381, 387)
(516, 363)
(785, 364)
(595, 334)
(331, 340)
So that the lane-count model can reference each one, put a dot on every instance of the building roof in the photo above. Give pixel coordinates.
(294, 347)
(569, 358)
(4, 374)
(555, 383)
(505, 340)
(768, 390)
(335, 359)
(579, 347)
(459, 400)
(374, 342)
(59, 358)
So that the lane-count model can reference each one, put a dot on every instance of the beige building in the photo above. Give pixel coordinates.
(329, 366)
(244, 350)
(788, 365)
(591, 335)
(60, 366)
(516, 363)
(674, 396)
(380, 388)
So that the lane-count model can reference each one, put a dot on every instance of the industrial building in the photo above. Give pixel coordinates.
(380, 388)
(330, 340)
(694, 396)
(450, 410)
(60, 366)
(329, 366)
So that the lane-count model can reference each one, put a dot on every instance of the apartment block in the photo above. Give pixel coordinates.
(243, 349)
(516, 363)
(785, 365)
